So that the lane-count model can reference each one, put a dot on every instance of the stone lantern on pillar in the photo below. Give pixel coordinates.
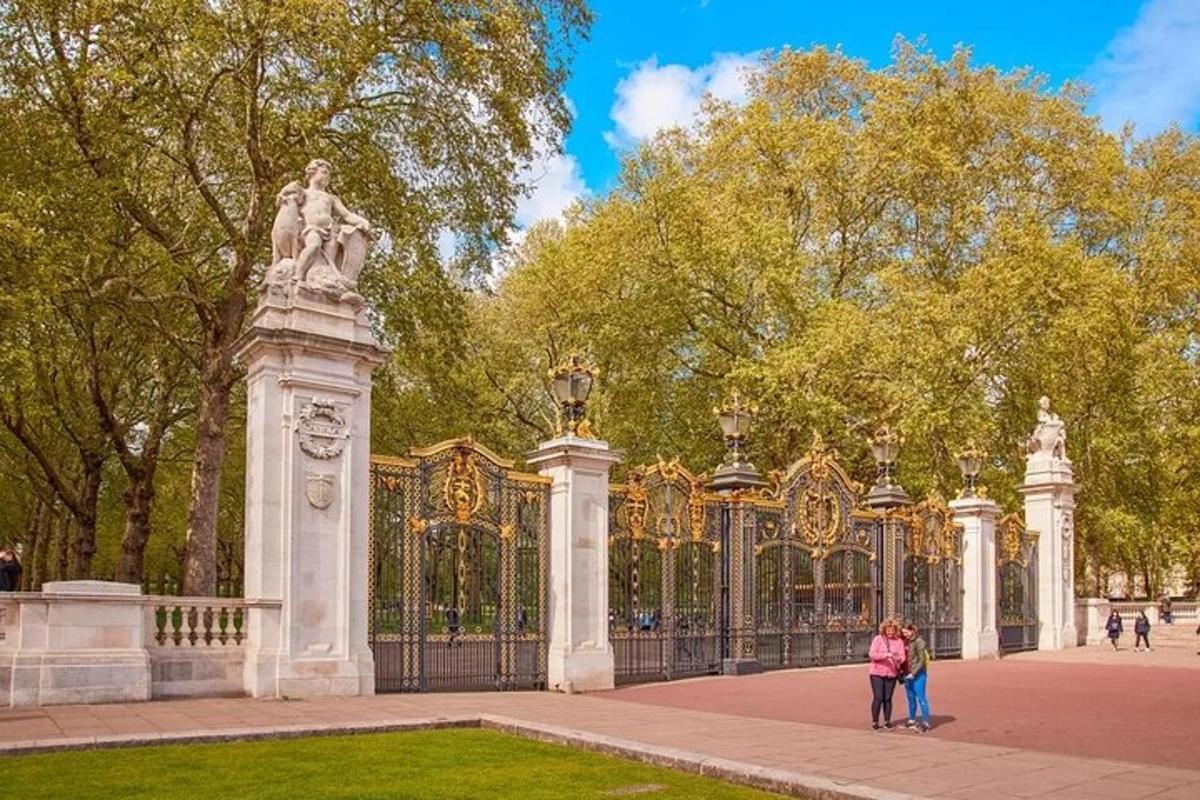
(885, 449)
(570, 386)
(580, 656)
(970, 464)
(977, 514)
(735, 481)
(734, 416)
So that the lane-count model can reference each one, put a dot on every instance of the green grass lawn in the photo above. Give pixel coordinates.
(427, 764)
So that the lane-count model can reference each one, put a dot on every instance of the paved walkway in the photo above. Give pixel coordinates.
(1084, 702)
(806, 759)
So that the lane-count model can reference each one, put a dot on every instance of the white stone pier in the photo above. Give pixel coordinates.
(309, 361)
(580, 654)
(1049, 491)
(977, 515)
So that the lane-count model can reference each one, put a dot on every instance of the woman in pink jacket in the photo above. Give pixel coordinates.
(887, 662)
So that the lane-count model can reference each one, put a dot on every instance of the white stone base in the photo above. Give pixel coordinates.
(196, 672)
(321, 678)
(580, 670)
(97, 676)
(985, 645)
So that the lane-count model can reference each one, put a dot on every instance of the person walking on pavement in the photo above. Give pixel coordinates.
(916, 682)
(1141, 627)
(1164, 610)
(1114, 628)
(887, 665)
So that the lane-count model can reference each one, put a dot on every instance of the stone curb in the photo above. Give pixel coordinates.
(218, 735)
(793, 784)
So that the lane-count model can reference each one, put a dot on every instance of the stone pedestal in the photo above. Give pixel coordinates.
(79, 642)
(1049, 491)
(1090, 615)
(580, 654)
(308, 406)
(977, 515)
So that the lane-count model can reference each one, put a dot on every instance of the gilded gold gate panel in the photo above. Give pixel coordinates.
(664, 575)
(459, 556)
(819, 583)
(932, 574)
(1016, 585)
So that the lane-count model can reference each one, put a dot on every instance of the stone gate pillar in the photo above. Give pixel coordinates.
(308, 360)
(1049, 491)
(977, 515)
(580, 657)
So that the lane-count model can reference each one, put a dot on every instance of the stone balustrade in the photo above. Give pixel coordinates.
(97, 641)
(192, 621)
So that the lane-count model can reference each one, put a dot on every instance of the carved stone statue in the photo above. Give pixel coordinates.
(317, 243)
(1049, 439)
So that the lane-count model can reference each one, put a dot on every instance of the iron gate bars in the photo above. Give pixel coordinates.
(818, 588)
(932, 581)
(458, 571)
(1016, 585)
(665, 575)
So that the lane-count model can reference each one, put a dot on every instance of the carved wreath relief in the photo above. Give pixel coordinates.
(322, 429)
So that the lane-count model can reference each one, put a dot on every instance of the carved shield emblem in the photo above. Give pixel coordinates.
(318, 489)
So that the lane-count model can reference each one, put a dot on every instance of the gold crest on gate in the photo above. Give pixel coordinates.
(319, 490)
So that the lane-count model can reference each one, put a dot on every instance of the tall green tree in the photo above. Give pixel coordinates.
(189, 116)
(933, 245)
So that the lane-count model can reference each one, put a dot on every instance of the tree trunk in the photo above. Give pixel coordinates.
(85, 528)
(62, 548)
(139, 499)
(40, 568)
(35, 536)
(200, 563)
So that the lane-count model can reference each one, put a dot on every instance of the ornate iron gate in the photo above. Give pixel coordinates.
(1016, 585)
(665, 587)
(932, 582)
(458, 571)
(818, 583)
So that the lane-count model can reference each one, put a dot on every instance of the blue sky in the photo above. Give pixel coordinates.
(647, 63)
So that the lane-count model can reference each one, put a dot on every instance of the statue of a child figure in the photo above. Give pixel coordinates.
(1050, 436)
(316, 242)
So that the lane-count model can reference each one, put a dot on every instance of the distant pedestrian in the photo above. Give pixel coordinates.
(1141, 627)
(887, 665)
(10, 570)
(916, 681)
(1164, 610)
(1114, 628)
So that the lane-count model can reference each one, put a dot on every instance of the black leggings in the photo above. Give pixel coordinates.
(1142, 637)
(881, 697)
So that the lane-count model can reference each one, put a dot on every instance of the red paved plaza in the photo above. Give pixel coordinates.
(1083, 709)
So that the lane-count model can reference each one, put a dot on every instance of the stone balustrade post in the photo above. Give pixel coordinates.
(580, 655)
(977, 515)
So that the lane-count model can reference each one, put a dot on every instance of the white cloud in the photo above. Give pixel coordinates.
(654, 97)
(1150, 72)
(555, 181)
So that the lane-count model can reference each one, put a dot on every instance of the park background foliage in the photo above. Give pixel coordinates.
(933, 245)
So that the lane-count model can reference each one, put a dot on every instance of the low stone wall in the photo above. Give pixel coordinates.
(196, 673)
(101, 642)
(1090, 616)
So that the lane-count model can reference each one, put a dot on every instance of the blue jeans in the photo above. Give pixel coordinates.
(914, 693)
